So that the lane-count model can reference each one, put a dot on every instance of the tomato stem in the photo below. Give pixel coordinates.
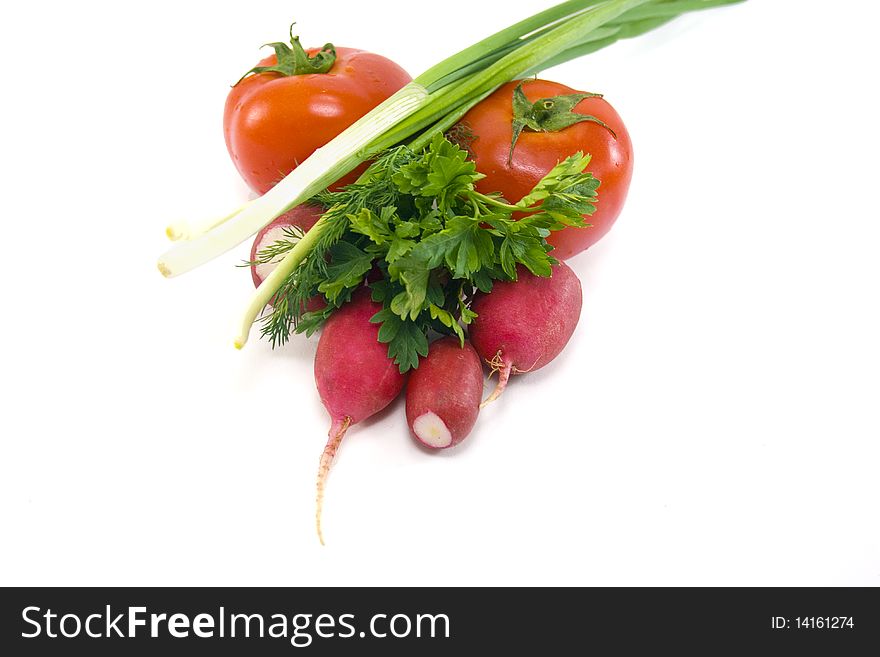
(294, 60)
(547, 115)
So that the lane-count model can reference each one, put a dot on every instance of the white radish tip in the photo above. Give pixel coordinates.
(163, 269)
(337, 433)
(432, 430)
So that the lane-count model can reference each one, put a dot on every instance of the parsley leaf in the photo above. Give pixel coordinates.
(447, 319)
(406, 340)
(347, 268)
(443, 173)
(463, 246)
(413, 274)
(567, 192)
(366, 222)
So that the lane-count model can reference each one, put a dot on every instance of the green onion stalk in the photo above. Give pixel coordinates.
(433, 102)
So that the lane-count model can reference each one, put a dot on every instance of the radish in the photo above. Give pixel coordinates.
(302, 217)
(524, 324)
(443, 394)
(354, 375)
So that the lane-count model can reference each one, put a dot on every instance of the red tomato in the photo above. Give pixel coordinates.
(272, 122)
(536, 153)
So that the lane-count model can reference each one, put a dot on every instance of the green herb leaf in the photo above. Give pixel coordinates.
(443, 172)
(347, 269)
(446, 318)
(275, 251)
(398, 249)
(413, 274)
(406, 340)
(366, 222)
(407, 229)
(483, 281)
(311, 321)
(463, 245)
(467, 315)
(560, 178)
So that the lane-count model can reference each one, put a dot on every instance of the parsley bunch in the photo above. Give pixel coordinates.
(417, 229)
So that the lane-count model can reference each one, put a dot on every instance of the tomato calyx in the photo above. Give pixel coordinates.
(548, 115)
(294, 60)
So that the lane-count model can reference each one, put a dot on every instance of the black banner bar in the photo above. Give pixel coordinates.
(318, 621)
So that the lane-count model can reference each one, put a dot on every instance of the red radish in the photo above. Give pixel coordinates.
(302, 217)
(524, 324)
(354, 375)
(443, 394)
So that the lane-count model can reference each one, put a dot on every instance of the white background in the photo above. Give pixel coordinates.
(714, 419)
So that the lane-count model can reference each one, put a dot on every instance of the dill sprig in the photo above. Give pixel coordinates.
(290, 235)
(283, 315)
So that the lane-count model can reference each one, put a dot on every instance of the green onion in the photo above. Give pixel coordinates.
(434, 101)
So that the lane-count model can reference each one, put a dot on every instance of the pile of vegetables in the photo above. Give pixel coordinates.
(422, 225)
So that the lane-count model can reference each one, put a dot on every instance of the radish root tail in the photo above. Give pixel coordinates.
(496, 364)
(504, 370)
(337, 433)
